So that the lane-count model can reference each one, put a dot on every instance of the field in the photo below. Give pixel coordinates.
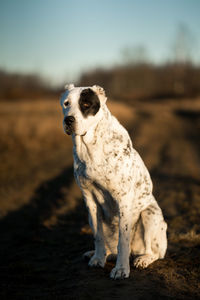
(43, 221)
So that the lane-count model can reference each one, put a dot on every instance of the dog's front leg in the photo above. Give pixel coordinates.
(127, 219)
(99, 257)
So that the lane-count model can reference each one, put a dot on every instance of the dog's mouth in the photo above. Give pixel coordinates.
(69, 130)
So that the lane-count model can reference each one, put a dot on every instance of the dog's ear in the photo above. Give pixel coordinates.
(69, 87)
(100, 92)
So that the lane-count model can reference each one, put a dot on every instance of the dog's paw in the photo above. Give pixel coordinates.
(144, 261)
(119, 273)
(96, 261)
(87, 255)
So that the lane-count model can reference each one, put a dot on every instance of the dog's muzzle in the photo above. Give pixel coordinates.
(69, 124)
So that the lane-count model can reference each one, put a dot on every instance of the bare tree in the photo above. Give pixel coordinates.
(135, 55)
(183, 45)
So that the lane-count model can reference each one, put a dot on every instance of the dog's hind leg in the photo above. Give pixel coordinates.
(154, 236)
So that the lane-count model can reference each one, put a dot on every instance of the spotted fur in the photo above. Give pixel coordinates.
(116, 186)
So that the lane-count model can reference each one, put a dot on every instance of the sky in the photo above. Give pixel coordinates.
(60, 39)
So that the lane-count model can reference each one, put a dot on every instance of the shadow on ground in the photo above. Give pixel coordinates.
(39, 262)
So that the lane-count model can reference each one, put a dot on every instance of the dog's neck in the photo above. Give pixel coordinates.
(84, 145)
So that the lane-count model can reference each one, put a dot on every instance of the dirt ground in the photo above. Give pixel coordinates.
(43, 221)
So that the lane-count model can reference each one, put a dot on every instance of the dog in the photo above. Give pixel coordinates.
(117, 189)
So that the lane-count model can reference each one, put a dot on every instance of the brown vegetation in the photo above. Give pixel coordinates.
(146, 81)
(15, 86)
(126, 82)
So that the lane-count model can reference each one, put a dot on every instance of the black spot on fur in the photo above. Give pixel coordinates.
(127, 150)
(150, 211)
(89, 103)
(116, 137)
(138, 184)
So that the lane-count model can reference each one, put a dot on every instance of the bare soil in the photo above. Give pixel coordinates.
(43, 221)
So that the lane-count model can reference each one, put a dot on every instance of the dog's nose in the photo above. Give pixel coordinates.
(69, 120)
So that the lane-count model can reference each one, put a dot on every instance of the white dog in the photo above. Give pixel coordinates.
(123, 214)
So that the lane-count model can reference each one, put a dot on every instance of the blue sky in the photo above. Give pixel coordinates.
(62, 38)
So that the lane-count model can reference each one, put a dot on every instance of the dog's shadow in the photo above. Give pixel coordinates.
(33, 255)
(43, 242)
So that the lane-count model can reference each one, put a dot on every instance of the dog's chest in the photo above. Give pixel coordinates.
(103, 161)
(90, 165)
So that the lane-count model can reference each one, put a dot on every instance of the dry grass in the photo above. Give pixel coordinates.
(42, 213)
(33, 147)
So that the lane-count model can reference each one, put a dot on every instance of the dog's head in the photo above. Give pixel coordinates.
(82, 108)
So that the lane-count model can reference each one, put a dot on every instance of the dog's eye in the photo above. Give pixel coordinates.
(66, 103)
(86, 105)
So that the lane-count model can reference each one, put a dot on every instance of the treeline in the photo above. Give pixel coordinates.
(146, 81)
(127, 82)
(14, 86)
